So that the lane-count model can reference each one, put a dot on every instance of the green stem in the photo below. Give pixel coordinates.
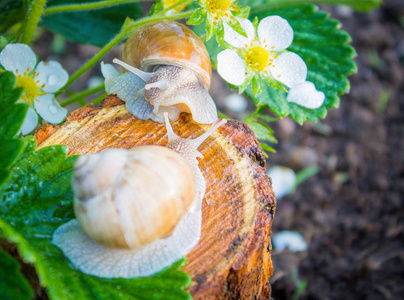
(31, 20)
(86, 6)
(179, 3)
(82, 95)
(125, 32)
(82, 102)
(99, 99)
(287, 3)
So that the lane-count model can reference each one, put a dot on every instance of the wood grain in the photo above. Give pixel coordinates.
(232, 260)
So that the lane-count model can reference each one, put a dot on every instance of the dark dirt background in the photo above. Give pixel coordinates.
(351, 213)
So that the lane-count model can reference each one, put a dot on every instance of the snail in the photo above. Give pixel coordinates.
(138, 211)
(169, 71)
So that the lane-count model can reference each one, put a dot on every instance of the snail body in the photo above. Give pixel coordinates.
(170, 71)
(137, 210)
(168, 43)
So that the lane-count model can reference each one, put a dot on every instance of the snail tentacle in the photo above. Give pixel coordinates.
(176, 68)
(145, 76)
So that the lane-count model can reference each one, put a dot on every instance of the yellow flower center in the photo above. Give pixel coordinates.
(257, 58)
(222, 5)
(30, 86)
(168, 3)
(221, 9)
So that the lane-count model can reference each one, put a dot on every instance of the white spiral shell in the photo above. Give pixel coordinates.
(137, 210)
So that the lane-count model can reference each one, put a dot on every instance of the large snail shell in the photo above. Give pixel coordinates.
(168, 43)
(127, 199)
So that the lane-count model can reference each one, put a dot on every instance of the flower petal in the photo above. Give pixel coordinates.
(283, 180)
(289, 68)
(30, 121)
(109, 71)
(289, 239)
(237, 40)
(51, 74)
(276, 32)
(49, 109)
(231, 67)
(306, 94)
(17, 57)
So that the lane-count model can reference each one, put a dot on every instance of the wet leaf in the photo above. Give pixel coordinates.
(95, 27)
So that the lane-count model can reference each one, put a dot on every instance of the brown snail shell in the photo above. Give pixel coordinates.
(168, 43)
(170, 72)
(127, 199)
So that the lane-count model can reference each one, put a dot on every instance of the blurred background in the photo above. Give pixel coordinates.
(347, 206)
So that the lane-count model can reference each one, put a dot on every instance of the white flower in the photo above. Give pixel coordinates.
(220, 12)
(305, 94)
(289, 239)
(265, 54)
(39, 82)
(283, 180)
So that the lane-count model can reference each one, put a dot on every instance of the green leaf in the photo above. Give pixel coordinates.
(95, 27)
(12, 116)
(235, 24)
(4, 40)
(261, 130)
(11, 12)
(244, 11)
(267, 5)
(361, 5)
(267, 148)
(324, 47)
(256, 85)
(12, 284)
(256, 22)
(30, 144)
(156, 7)
(8, 6)
(10, 149)
(197, 17)
(35, 201)
(210, 26)
(257, 122)
(220, 33)
(247, 80)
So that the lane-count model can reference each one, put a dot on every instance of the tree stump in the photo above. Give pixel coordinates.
(232, 259)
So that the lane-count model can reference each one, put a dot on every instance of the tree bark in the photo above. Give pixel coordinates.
(232, 259)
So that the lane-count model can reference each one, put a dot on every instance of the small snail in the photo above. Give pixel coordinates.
(138, 211)
(170, 72)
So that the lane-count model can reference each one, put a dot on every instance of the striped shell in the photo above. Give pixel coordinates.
(168, 43)
(127, 199)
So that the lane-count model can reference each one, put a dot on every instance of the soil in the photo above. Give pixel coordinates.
(351, 213)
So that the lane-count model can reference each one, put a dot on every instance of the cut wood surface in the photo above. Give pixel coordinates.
(232, 259)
